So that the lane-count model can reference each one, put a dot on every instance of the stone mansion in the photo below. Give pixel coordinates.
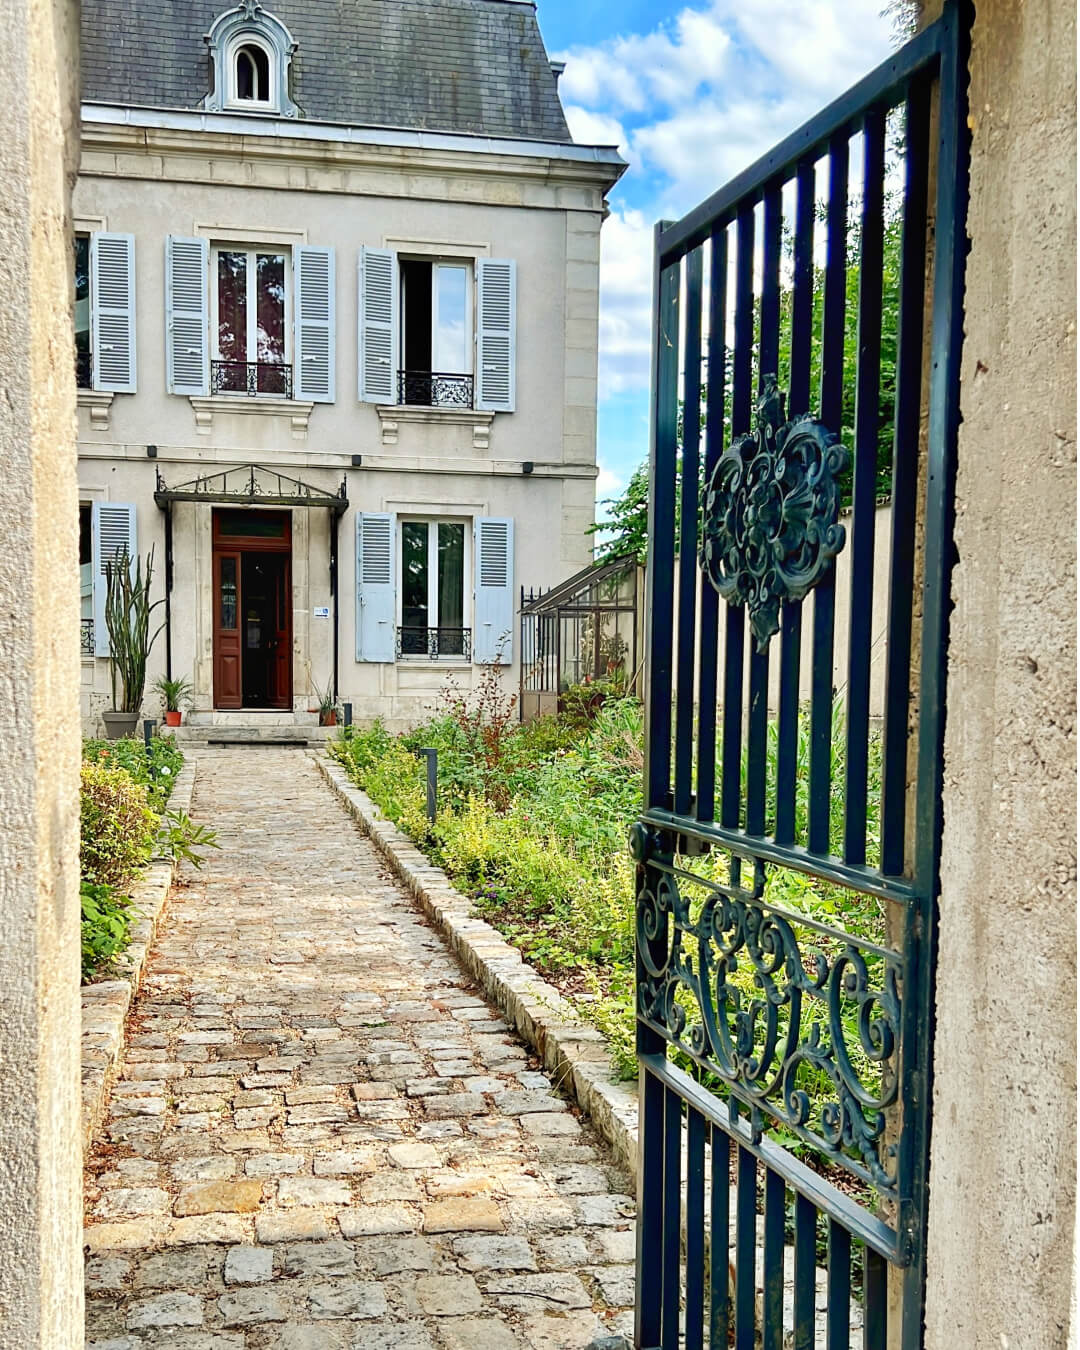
(336, 294)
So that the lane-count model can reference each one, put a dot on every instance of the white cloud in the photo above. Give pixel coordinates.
(691, 103)
(595, 128)
(608, 482)
(625, 301)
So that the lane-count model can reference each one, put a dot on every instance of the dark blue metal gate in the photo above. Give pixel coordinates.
(806, 366)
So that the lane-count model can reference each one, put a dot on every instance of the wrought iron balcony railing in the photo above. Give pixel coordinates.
(435, 389)
(84, 370)
(434, 642)
(271, 378)
(87, 637)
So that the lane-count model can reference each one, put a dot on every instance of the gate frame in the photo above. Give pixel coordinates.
(940, 53)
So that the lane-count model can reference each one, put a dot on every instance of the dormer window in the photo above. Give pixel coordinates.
(251, 74)
(251, 53)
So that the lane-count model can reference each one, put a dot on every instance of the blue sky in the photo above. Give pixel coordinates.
(691, 94)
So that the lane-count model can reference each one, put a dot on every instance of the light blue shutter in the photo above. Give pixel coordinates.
(313, 279)
(496, 341)
(112, 311)
(376, 590)
(493, 607)
(187, 353)
(378, 318)
(112, 534)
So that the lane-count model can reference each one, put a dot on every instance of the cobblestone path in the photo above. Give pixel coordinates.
(321, 1138)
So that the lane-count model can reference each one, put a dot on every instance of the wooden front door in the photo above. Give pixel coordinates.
(252, 609)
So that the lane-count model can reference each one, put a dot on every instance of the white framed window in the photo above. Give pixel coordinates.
(251, 320)
(251, 54)
(434, 592)
(252, 74)
(436, 357)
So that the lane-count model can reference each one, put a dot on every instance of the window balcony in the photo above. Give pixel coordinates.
(434, 389)
(87, 637)
(270, 379)
(433, 643)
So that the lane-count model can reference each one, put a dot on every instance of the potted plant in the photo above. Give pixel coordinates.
(327, 705)
(127, 618)
(173, 694)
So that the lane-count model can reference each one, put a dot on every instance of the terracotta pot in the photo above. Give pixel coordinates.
(119, 724)
(172, 717)
(328, 719)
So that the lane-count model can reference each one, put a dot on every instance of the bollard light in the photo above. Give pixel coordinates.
(346, 709)
(432, 757)
(149, 723)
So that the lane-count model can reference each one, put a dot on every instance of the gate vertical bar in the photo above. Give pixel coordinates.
(832, 398)
(695, 1229)
(709, 601)
(867, 406)
(802, 318)
(909, 356)
(688, 513)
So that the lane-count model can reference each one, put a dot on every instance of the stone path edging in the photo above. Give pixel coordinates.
(105, 1004)
(574, 1052)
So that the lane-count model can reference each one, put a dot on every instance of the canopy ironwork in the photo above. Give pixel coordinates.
(251, 485)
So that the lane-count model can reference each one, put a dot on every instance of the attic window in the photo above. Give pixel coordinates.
(251, 54)
(251, 74)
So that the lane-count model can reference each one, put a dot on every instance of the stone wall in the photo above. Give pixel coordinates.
(40, 1184)
(1003, 1165)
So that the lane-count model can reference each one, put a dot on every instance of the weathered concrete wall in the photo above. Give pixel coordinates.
(1003, 1150)
(40, 1154)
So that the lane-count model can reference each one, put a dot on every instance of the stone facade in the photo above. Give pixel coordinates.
(40, 1210)
(152, 173)
(1003, 1160)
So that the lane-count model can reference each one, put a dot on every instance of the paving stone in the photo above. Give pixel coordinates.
(249, 1265)
(496, 1253)
(273, 1164)
(132, 1235)
(166, 1310)
(217, 1197)
(310, 1337)
(203, 1169)
(523, 1292)
(244, 1307)
(462, 1215)
(448, 1295)
(313, 1191)
(183, 1268)
(616, 1284)
(614, 1245)
(347, 1162)
(299, 1226)
(565, 1252)
(208, 1228)
(413, 1155)
(319, 1258)
(455, 1104)
(131, 1202)
(347, 1298)
(394, 1336)
(477, 1333)
(390, 1256)
(375, 1219)
(107, 1274)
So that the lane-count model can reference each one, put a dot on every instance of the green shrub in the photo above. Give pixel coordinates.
(156, 771)
(106, 925)
(118, 828)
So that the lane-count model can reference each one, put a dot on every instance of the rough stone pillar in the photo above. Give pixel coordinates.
(1003, 1166)
(40, 1156)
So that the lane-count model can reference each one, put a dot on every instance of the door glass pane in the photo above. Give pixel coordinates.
(451, 296)
(414, 587)
(251, 524)
(232, 319)
(270, 318)
(228, 593)
(451, 588)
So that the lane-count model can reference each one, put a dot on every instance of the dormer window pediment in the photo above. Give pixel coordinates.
(251, 54)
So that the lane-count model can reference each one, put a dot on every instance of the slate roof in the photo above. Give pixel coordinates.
(467, 66)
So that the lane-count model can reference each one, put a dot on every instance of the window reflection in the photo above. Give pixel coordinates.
(451, 293)
(228, 593)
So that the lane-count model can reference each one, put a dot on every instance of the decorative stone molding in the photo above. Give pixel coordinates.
(249, 23)
(223, 405)
(392, 416)
(97, 405)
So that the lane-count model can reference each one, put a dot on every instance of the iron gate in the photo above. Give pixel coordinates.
(806, 364)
